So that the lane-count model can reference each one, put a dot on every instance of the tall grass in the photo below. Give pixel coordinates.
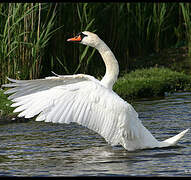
(24, 35)
(186, 12)
(86, 21)
(32, 42)
(77, 18)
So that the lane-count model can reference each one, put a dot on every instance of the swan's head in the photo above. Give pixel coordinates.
(86, 38)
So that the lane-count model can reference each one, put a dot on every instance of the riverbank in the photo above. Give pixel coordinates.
(6, 112)
(151, 82)
(141, 83)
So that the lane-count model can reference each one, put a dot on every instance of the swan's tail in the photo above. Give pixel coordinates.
(173, 140)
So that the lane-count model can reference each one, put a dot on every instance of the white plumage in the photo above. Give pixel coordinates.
(87, 101)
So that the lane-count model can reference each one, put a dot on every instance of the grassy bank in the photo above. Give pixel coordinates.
(6, 112)
(151, 82)
(5, 108)
(141, 83)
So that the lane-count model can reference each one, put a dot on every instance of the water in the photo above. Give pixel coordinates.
(46, 149)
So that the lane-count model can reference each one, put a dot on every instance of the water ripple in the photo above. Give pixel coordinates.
(46, 149)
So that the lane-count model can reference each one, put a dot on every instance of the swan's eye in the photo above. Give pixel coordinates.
(82, 35)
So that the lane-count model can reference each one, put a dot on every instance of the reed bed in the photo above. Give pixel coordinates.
(25, 32)
(33, 35)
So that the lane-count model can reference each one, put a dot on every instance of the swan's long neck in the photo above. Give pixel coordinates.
(112, 67)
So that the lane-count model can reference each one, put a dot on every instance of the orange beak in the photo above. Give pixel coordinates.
(76, 38)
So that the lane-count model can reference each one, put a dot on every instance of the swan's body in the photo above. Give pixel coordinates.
(87, 101)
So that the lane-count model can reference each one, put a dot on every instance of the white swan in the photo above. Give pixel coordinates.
(87, 101)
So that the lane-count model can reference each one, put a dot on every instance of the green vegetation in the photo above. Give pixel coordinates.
(5, 108)
(24, 34)
(33, 36)
(6, 112)
(151, 83)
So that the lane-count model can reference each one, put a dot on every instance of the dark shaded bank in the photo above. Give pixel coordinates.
(12, 119)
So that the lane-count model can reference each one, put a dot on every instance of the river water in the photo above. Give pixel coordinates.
(46, 149)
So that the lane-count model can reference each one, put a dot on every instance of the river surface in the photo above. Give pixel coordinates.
(46, 149)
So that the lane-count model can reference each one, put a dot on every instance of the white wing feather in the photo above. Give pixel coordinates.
(84, 100)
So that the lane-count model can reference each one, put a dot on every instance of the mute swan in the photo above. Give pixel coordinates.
(87, 101)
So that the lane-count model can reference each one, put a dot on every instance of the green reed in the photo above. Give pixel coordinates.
(24, 35)
(33, 44)
(186, 12)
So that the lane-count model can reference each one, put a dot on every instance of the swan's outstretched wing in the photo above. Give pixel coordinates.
(84, 100)
(25, 87)
(79, 98)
